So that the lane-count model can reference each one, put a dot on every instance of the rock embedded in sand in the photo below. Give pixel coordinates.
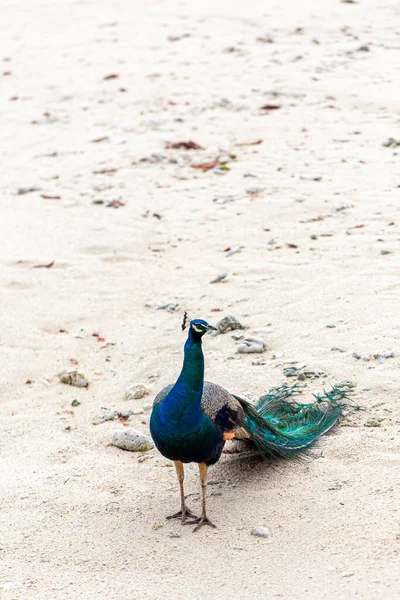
(346, 383)
(373, 423)
(228, 323)
(250, 345)
(260, 532)
(109, 415)
(132, 440)
(135, 392)
(302, 373)
(219, 278)
(391, 143)
(73, 377)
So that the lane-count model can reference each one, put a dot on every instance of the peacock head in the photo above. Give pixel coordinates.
(197, 327)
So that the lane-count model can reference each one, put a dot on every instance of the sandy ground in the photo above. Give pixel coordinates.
(134, 226)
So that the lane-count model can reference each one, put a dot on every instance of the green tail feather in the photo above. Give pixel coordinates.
(280, 426)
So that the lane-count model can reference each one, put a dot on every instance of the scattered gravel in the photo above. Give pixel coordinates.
(381, 356)
(302, 373)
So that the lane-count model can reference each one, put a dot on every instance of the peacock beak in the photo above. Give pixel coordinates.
(211, 327)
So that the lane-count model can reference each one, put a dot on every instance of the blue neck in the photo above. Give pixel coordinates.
(183, 403)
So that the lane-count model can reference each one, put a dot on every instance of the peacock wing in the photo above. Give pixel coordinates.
(222, 407)
(161, 395)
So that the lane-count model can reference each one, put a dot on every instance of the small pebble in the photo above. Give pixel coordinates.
(254, 191)
(373, 423)
(301, 373)
(234, 250)
(391, 143)
(110, 415)
(134, 392)
(73, 378)
(258, 361)
(250, 345)
(346, 383)
(337, 485)
(290, 371)
(331, 326)
(260, 532)
(237, 336)
(170, 307)
(383, 355)
(278, 355)
(132, 440)
(27, 189)
(228, 323)
(219, 278)
(125, 414)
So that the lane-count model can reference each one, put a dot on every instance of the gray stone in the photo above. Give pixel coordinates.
(290, 371)
(135, 392)
(260, 532)
(109, 415)
(132, 440)
(346, 383)
(373, 423)
(228, 323)
(219, 278)
(251, 345)
(74, 378)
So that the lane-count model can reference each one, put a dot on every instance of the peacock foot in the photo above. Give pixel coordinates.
(202, 521)
(184, 514)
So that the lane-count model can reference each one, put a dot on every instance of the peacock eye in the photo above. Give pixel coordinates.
(198, 328)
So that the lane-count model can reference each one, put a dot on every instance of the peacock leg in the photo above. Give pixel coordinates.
(204, 520)
(184, 513)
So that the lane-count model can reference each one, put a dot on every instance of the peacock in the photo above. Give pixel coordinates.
(192, 419)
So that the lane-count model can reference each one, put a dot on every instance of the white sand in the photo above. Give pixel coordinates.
(80, 519)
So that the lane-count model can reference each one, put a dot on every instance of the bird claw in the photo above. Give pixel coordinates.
(200, 522)
(183, 514)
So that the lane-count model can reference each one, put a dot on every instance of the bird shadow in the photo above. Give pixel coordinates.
(244, 465)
